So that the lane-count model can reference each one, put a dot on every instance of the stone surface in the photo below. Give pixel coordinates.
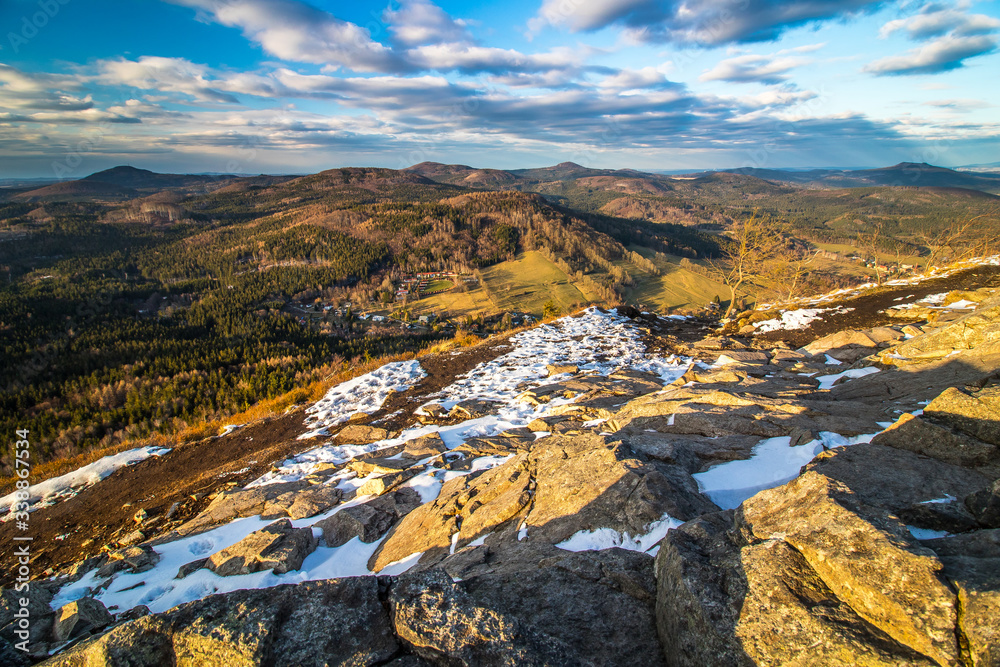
(425, 446)
(368, 521)
(838, 581)
(75, 618)
(563, 485)
(317, 623)
(868, 560)
(975, 413)
(972, 564)
(925, 437)
(39, 611)
(984, 505)
(893, 478)
(361, 434)
(278, 547)
(846, 346)
(533, 605)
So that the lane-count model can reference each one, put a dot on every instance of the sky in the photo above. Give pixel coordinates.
(288, 86)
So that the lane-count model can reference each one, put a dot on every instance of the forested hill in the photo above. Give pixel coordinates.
(160, 312)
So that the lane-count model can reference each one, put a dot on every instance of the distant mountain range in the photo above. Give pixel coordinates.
(905, 174)
(126, 182)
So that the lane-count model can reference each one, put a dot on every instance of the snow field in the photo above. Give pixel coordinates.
(798, 319)
(365, 393)
(774, 462)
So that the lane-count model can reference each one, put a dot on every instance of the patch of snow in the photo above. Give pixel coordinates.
(927, 533)
(608, 538)
(365, 393)
(400, 566)
(830, 361)
(229, 428)
(57, 489)
(595, 341)
(964, 304)
(479, 541)
(827, 381)
(948, 498)
(798, 319)
(772, 463)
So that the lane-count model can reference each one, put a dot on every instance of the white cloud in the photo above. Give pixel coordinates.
(299, 32)
(419, 22)
(940, 55)
(707, 22)
(935, 20)
(771, 68)
(951, 37)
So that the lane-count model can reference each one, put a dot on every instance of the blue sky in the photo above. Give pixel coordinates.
(285, 86)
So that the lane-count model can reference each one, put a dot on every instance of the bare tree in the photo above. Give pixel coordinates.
(787, 270)
(945, 244)
(869, 245)
(755, 241)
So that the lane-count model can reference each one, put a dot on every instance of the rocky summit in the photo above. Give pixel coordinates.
(610, 488)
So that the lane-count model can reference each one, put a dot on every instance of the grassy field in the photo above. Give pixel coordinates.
(472, 302)
(438, 286)
(528, 282)
(676, 287)
(846, 249)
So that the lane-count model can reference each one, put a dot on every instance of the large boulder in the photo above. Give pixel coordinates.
(278, 547)
(846, 345)
(975, 412)
(79, 616)
(804, 573)
(534, 605)
(923, 436)
(922, 491)
(972, 565)
(561, 486)
(368, 521)
(361, 434)
(333, 622)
